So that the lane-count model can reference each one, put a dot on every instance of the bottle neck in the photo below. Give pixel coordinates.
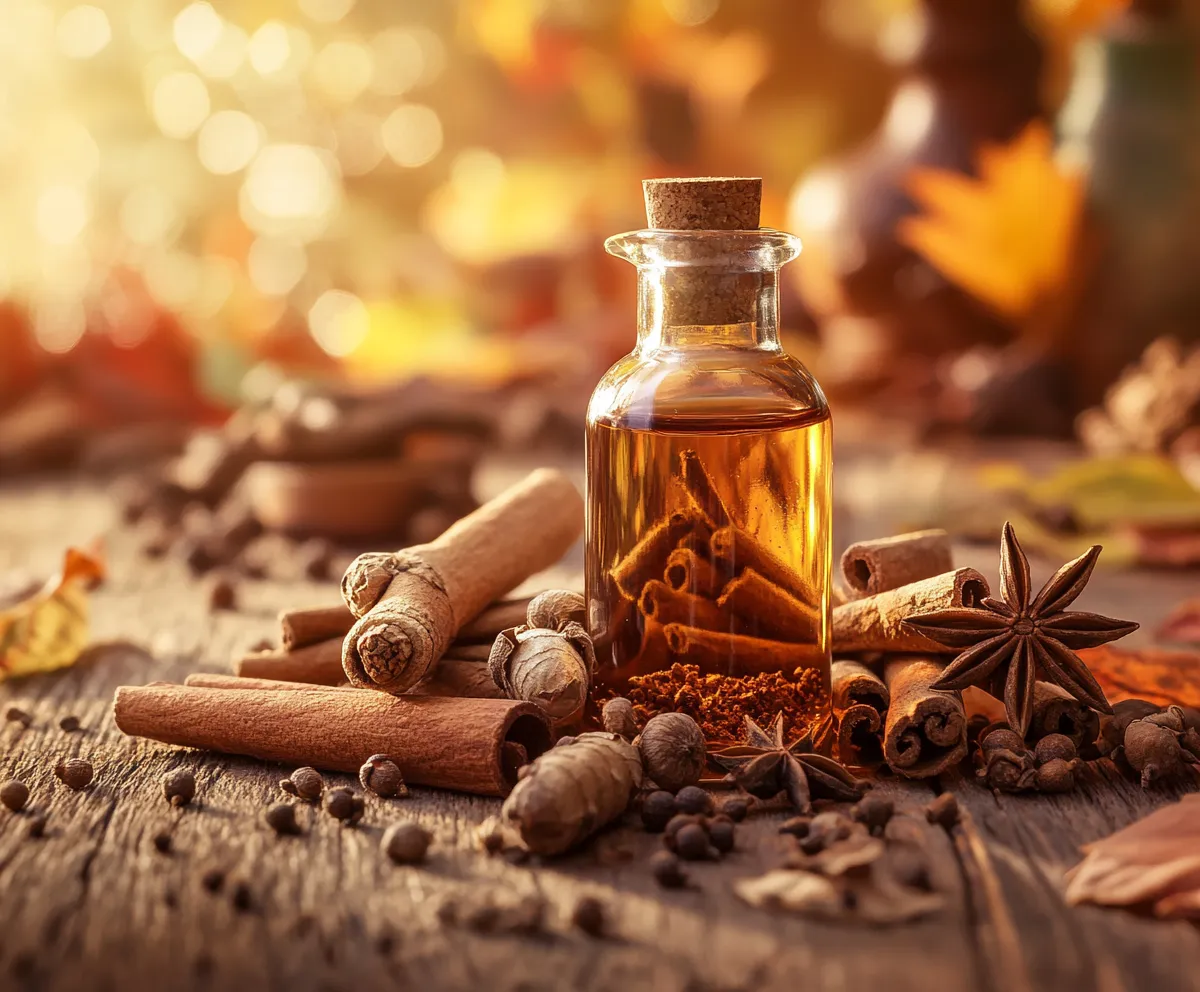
(699, 307)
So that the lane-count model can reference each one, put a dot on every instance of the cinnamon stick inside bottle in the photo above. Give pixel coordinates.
(688, 571)
(872, 567)
(412, 603)
(768, 609)
(735, 654)
(470, 745)
(926, 730)
(648, 559)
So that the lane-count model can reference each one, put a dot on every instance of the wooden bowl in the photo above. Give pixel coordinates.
(352, 500)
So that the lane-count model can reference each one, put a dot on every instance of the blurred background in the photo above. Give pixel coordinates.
(297, 248)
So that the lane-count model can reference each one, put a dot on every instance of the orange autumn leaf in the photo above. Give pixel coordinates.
(49, 628)
(1006, 237)
(1156, 675)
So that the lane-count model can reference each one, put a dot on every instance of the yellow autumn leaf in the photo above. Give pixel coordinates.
(1006, 237)
(49, 629)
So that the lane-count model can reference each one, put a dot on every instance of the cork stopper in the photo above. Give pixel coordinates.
(706, 204)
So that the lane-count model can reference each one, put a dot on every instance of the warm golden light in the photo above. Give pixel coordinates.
(412, 135)
(179, 103)
(342, 70)
(149, 216)
(290, 189)
(275, 266)
(83, 31)
(338, 321)
(227, 142)
(196, 30)
(62, 214)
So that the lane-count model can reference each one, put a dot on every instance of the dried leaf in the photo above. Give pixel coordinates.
(1007, 237)
(1182, 625)
(877, 900)
(1154, 862)
(1154, 674)
(49, 629)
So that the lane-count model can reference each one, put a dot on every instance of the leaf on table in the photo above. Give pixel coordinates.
(1154, 674)
(1165, 547)
(49, 628)
(1154, 862)
(851, 899)
(1182, 625)
(1008, 236)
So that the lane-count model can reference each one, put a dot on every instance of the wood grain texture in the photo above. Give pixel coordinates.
(94, 905)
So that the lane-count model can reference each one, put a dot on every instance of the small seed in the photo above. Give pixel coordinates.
(589, 916)
(69, 723)
(406, 842)
(943, 810)
(213, 879)
(241, 897)
(74, 773)
(381, 775)
(14, 714)
(617, 717)
(692, 844)
(657, 810)
(693, 799)
(179, 787)
(735, 809)
(873, 812)
(37, 826)
(282, 819)
(721, 834)
(162, 842)
(1055, 746)
(1001, 736)
(14, 795)
(1056, 775)
(304, 783)
(667, 870)
(344, 805)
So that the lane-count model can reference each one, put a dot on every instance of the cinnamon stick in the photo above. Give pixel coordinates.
(664, 605)
(217, 680)
(700, 488)
(653, 653)
(852, 684)
(454, 677)
(739, 551)
(649, 556)
(317, 664)
(736, 654)
(926, 730)
(860, 700)
(299, 628)
(688, 571)
(770, 610)
(499, 616)
(471, 745)
(875, 623)
(872, 567)
(412, 603)
(1056, 711)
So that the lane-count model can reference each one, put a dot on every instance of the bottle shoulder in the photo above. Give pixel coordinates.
(736, 388)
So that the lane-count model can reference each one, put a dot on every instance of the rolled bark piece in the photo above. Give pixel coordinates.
(852, 684)
(876, 623)
(1056, 711)
(687, 571)
(300, 628)
(662, 604)
(926, 730)
(453, 676)
(770, 609)
(860, 700)
(739, 551)
(499, 616)
(648, 558)
(700, 488)
(217, 680)
(472, 745)
(872, 567)
(434, 589)
(317, 664)
(734, 654)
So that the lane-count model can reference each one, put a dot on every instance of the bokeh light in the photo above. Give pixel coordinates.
(83, 31)
(326, 11)
(290, 189)
(227, 142)
(412, 135)
(339, 322)
(62, 214)
(179, 103)
(342, 70)
(276, 265)
(196, 30)
(149, 216)
(691, 13)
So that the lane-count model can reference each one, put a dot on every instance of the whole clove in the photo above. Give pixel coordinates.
(343, 804)
(282, 819)
(589, 915)
(617, 717)
(735, 809)
(179, 787)
(825, 829)
(406, 842)
(69, 723)
(381, 775)
(873, 812)
(667, 870)
(304, 783)
(74, 773)
(693, 799)
(14, 795)
(673, 751)
(14, 714)
(943, 810)
(657, 810)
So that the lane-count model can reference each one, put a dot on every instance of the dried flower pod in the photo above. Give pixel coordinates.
(551, 668)
(1055, 775)
(1054, 747)
(179, 787)
(571, 791)
(406, 842)
(304, 783)
(381, 775)
(14, 795)
(1152, 751)
(74, 773)
(554, 607)
(617, 717)
(1008, 771)
(673, 750)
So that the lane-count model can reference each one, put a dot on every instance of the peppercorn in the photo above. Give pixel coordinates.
(344, 805)
(14, 714)
(179, 787)
(406, 842)
(673, 752)
(241, 897)
(943, 810)
(1055, 746)
(74, 773)
(162, 842)
(282, 819)
(657, 810)
(381, 775)
(797, 826)
(721, 833)
(667, 870)
(693, 799)
(735, 809)
(617, 717)
(69, 723)
(873, 812)
(1000, 735)
(37, 826)
(1055, 775)
(213, 879)
(589, 916)
(304, 783)
(677, 823)
(14, 795)
(691, 843)
(222, 594)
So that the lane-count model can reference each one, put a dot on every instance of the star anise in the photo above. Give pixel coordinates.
(1011, 644)
(765, 766)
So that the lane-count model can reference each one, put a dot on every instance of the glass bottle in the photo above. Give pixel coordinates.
(708, 460)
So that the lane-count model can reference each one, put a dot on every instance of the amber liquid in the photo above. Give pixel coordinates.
(735, 580)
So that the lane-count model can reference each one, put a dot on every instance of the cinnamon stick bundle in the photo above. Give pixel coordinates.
(875, 623)
(471, 745)
(860, 701)
(872, 567)
(926, 730)
(411, 604)
(771, 610)
(648, 558)
(664, 605)
(687, 571)
(738, 551)
(719, 653)
(300, 628)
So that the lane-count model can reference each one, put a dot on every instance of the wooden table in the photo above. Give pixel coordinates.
(95, 905)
